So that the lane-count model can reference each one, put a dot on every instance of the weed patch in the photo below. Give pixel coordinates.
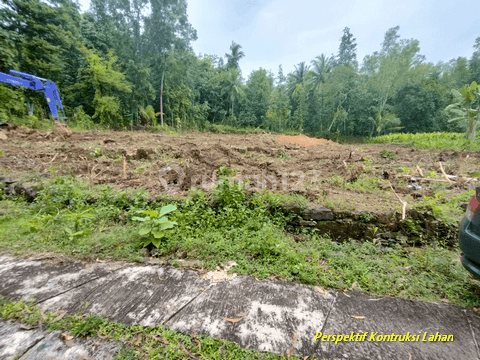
(438, 140)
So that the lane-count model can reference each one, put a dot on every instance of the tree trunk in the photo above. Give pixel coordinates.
(161, 99)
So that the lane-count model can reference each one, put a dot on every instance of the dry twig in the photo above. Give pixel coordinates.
(404, 203)
(420, 171)
(444, 174)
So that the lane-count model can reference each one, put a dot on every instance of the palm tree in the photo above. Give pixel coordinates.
(233, 86)
(322, 67)
(298, 77)
(235, 56)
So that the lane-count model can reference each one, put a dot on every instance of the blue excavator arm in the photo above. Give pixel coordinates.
(38, 84)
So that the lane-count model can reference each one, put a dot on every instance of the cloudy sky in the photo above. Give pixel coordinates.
(274, 32)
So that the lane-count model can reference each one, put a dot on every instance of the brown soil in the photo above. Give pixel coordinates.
(163, 163)
(303, 140)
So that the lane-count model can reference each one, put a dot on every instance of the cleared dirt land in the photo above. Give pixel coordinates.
(351, 177)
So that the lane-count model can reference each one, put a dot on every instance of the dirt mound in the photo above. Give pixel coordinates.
(303, 140)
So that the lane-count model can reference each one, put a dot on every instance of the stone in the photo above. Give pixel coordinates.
(318, 213)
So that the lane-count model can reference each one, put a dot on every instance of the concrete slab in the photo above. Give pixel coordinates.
(147, 295)
(400, 317)
(275, 316)
(474, 322)
(27, 278)
(52, 347)
(14, 341)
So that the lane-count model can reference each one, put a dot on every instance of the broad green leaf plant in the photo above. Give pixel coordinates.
(464, 107)
(155, 224)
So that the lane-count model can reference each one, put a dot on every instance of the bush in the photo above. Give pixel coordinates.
(82, 120)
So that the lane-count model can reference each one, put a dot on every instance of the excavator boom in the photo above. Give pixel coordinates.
(38, 84)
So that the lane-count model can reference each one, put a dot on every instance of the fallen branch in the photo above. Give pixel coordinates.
(444, 174)
(404, 203)
(420, 171)
(423, 179)
(53, 158)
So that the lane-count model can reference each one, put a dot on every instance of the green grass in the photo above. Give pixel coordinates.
(73, 218)
(143, 342)
(436, 140)
(446, 207)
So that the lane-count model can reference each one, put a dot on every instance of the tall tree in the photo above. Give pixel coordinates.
(257, 93)
(281, 79)
(474, 63)
(297, 77)
(390, 39)
(233, 86)
(236, 54)
(321, 67)
(347, 52)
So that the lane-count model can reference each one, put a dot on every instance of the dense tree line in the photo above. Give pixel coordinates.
(120, 63)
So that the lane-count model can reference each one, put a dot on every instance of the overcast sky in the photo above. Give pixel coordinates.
(274, 32)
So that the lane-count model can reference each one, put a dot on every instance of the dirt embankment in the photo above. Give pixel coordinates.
(176, 163)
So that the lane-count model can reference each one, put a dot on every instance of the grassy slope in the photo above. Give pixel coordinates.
(76, 219)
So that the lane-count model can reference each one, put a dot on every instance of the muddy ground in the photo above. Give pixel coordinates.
(318, 169)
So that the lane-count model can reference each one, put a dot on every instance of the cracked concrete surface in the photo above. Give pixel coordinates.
(36, 344)
(265, 315)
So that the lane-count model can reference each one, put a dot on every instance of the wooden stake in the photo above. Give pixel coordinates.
(124, 167)
(444, 174)
(404, 203)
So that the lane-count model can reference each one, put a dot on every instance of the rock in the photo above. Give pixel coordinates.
(386, 218)
(3, 136)
(318, 213)
(386, 235)
(190, 263)
(295, 208)
(7, 181)
(154, 252)
(305, 223)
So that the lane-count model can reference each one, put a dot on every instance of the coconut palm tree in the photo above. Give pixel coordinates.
(298, 77)
(235, 56)
(321, 67)
(233, 86)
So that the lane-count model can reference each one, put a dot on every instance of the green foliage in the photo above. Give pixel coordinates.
(387, 154)
(81, 120)
(466, 107)
(155, 224)
(435, 140)
(446, 208)
(149, 114)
